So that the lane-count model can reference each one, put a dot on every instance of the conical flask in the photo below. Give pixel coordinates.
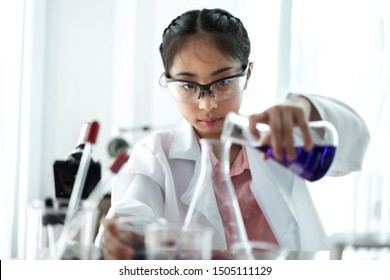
(311, 165)
(214, 202)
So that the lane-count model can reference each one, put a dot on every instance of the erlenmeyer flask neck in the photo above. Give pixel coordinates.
(214, 194)
(215, 156)
(212, 151)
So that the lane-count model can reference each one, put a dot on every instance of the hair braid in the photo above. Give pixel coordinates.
(228, 31)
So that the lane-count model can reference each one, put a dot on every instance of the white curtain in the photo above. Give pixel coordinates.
(342, 49)
(11, 36)
(21, 101)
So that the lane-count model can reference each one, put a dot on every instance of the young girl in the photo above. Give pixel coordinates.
(206, 59)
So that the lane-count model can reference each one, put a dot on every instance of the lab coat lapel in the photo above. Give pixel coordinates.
(185, 144)
(272, 187)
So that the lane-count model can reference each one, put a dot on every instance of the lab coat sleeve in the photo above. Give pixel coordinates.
(136, 191)
(353, 133)
(142, 162)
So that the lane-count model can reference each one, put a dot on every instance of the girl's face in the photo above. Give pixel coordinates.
(200, 61)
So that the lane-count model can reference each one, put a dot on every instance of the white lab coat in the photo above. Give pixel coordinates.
(160, 177)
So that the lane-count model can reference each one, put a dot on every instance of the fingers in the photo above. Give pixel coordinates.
(253, 120)
(114, 249)
(307, 140)
(281, 124)
(286, 137)
(281, 120)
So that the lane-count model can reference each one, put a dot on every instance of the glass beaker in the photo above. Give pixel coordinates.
(311, 165)
(45, 222)
(169, 241)
(260, 251)
(214, 202)
(132, 231)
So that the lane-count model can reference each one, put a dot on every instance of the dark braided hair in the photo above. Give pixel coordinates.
(227, 31)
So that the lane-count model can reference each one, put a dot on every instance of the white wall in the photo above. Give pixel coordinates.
(78, 78)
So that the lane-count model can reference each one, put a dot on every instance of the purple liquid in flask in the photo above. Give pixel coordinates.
(311, 165)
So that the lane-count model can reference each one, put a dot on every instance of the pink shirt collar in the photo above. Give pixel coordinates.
(240, 164)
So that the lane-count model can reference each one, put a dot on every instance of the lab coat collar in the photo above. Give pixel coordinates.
(185, 144)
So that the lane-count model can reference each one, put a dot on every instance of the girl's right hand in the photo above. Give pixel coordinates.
(114, 249)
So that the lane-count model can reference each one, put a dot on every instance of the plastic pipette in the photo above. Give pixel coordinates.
(78, 186)
(82, 171)
(102, 187)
